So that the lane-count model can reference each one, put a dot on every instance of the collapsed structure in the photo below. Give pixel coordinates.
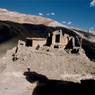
(56, 39)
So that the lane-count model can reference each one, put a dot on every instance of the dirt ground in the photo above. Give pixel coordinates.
(48, 65)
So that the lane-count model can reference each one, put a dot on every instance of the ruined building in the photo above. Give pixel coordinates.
(57, 39)
(60, 39)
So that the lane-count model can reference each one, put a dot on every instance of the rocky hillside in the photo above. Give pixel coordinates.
(15, 26)
(14, 22)
(42, 72)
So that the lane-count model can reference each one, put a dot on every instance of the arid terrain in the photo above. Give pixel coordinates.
(46, 70)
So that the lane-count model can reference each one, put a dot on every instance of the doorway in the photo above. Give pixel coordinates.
(29, 42)
(57, 38)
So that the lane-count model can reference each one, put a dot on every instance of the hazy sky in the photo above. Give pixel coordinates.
(79, 13)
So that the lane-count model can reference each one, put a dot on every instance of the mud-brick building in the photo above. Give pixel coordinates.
(60, 39)
(57, 39)
(33, 42)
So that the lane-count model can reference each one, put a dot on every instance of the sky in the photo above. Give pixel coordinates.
(77, 13)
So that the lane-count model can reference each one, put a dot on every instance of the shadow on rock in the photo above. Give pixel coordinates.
(46, 86)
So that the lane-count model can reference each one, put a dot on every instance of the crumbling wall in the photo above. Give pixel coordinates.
(64, 40)
(39, 42)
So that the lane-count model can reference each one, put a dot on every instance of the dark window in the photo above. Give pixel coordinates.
(49, 40)
(70, 44)
(28, 42)
(56, 46)
(77, 42)
(57, 39)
